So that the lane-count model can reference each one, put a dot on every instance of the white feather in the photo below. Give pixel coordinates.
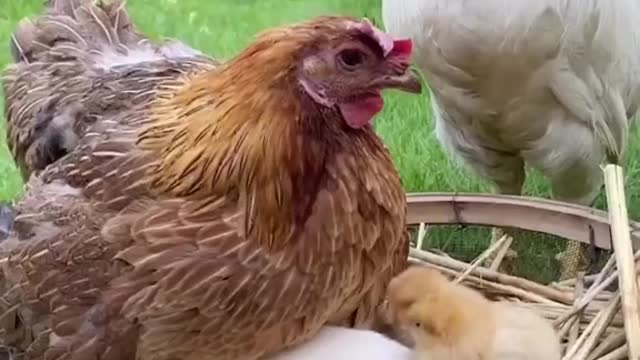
(144, 52)
(339, 343)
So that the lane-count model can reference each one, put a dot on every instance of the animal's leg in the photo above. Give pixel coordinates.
(569, 155)
(504, 169)
(584, 192)
(509, 182)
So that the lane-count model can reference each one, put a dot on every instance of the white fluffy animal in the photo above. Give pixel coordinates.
(339, 343)
(550, 83)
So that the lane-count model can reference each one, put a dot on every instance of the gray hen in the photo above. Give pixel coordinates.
(550, 83)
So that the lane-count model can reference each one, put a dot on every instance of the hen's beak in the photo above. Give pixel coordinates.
(407, 81)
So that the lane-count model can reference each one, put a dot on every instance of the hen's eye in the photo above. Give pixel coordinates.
(351, 58)
(417, 324)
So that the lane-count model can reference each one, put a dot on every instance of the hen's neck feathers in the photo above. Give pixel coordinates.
(249, 132)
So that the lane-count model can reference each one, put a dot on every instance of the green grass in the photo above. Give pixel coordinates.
(223, 27)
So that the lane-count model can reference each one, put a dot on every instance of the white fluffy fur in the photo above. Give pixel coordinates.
(107, 58)
(524, 335)
(339, 343)
(552, 83)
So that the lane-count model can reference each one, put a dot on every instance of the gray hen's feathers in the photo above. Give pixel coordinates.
(104, 26)
(73, 48)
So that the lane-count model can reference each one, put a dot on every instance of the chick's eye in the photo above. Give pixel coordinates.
(351, 58)
(417, 324)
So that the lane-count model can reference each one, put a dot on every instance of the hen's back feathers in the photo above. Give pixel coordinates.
(77, 63)
(78, 24)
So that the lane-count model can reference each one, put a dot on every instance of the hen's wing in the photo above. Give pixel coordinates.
(183, 266)
(198, 285)
(187, 279)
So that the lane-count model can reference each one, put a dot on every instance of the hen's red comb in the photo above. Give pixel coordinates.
(387, 43)
(402, 47)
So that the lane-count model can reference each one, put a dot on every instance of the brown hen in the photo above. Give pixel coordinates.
(195, 211)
